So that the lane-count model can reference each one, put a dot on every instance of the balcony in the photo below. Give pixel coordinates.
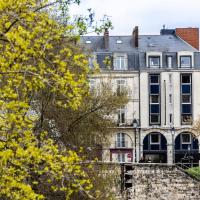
(125, 123)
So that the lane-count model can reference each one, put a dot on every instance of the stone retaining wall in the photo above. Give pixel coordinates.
(162, 182)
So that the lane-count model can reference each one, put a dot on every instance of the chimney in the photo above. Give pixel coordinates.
(135, 37)
(190, 35)
(106, 39)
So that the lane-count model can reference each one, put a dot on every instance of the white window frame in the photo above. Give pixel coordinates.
(121, 157)
(153, 143)
(182, 138)
(120, 112)
(120, 86)
(153, 54)
(120, 140)
(169, 62)
(120, 58)
(185, 53)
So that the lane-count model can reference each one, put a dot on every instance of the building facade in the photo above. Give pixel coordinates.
(162, 74)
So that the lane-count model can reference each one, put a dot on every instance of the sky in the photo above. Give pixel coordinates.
(149, 15)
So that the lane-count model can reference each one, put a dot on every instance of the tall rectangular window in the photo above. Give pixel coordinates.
(169, 61)
(154, 99)
(120, 86)
(120, 140)
(120, 62)
(121, 116)
(186, 98)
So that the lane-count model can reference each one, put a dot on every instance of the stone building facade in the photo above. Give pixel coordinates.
(162, 74)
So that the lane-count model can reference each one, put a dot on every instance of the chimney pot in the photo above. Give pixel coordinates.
(135, 37)
(106, 39)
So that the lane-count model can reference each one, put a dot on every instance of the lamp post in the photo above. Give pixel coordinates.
(173, 149)
(135, 125)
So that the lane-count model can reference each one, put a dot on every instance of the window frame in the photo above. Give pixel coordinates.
(182, 142)
(121, 111)
(185, 66)
(157, 115)
(185, 117)
(149, 61)
(155, 143)
(118, 60)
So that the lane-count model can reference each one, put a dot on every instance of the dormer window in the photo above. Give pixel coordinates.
(185, 61)
(120, 62)
(154, 61)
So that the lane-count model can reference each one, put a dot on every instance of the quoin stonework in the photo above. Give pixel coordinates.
(162, 74)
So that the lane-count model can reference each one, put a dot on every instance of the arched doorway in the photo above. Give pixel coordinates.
(186, 149)
(155, 148)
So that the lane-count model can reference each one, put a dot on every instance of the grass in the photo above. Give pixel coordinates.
(194, 171)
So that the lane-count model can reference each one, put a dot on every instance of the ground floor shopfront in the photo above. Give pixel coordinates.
(154, 146)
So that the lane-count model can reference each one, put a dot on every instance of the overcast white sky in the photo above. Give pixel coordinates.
(149, 15)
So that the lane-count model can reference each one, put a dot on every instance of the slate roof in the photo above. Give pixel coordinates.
(161, 43)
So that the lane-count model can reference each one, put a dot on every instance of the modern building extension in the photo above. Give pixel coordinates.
(162, 74)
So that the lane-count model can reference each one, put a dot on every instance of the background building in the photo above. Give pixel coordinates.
(162, 74)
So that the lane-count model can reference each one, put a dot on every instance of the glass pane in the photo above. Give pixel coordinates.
(154, 99)
(186, 99)
(155, 108)
(185, 61)
(187, 118)
(154, 79)
(185, 138)
(169, 61)
(154, 138)
(186, 108)
(154, 119)
(186, 89)
(154, 61)
(154, 89)
(186, 78)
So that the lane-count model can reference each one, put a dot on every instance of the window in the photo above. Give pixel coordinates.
(185, 61)
(154, 98)
(169, 61)
(186, 98)
(170, 98)
(120, 62)
(120, 140)
(170, 118)
(186, 138)
(155, 138)
(92, 84)
(154, 61)
(121, 116)
(121, 157)
(91, 62)
(120, 86)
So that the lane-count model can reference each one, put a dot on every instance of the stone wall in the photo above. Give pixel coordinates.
(162, 182)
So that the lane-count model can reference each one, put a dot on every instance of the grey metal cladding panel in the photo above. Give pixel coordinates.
(133, 61)
(197, 60)
(142, 60)
(101, 58)
(174, 59)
